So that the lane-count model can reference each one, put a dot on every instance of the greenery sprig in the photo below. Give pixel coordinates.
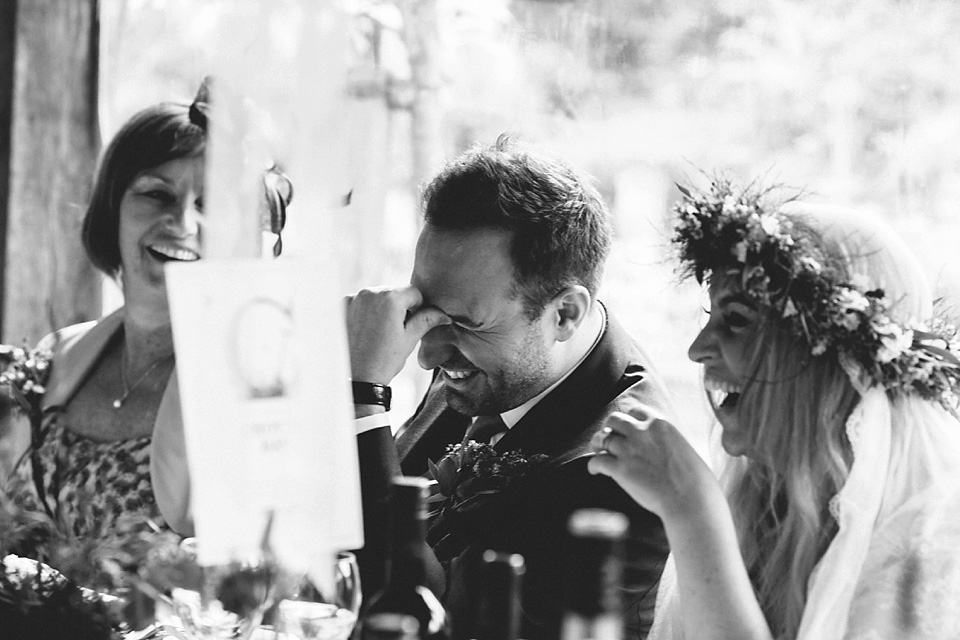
(23, 374)
(23, 379)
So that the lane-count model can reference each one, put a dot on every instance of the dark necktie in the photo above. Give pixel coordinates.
(485, 427)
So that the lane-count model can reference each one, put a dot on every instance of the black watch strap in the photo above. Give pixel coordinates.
(371, 393)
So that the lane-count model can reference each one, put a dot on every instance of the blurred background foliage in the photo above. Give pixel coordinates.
(855, 102)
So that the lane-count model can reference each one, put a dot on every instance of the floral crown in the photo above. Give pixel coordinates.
(797, 284)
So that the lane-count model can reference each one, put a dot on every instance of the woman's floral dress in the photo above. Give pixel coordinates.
(85, 485)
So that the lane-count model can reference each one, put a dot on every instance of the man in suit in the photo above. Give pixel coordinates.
(503, 303)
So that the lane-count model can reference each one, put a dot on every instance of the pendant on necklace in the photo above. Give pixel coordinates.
(127, 390)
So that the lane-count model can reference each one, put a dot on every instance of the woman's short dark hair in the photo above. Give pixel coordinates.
(155, 135)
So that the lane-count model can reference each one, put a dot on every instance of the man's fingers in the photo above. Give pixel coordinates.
(379, 338)
(423, 320)
(408, 297)
(392, 302)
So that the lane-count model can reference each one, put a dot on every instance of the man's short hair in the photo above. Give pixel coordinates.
(560, 224)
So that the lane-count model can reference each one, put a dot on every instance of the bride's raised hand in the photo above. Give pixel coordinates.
(652, 461)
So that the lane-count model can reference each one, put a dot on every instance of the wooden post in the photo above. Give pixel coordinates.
(47, 169)
(8, 23)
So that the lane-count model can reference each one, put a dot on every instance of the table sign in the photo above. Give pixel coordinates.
(261, 350)
(263, 370)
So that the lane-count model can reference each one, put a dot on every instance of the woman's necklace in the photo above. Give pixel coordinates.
(127, 390)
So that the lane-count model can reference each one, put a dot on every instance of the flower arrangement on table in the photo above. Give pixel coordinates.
(102, 589)
(741, 230)
(55, 585)
(470, 477)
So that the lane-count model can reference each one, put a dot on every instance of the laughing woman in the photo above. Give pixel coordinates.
(111, 442)
(841, 511)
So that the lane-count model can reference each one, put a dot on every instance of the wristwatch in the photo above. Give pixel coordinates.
(371, 393)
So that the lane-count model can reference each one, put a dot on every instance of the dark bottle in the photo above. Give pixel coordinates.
(498, 611)
(592, 594)
(405, 591)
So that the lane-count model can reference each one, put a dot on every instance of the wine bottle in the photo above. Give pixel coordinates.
(405, 591)
(498, 612)
(592, 601)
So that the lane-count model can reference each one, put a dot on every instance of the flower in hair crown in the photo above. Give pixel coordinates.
(737, 231)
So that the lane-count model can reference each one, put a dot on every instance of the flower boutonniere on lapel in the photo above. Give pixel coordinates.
(469, 478)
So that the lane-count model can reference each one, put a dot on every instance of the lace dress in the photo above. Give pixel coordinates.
(87, 485)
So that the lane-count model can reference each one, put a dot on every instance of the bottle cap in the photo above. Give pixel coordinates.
(390, 626)
(598, 523)
(417, 482)
(509, 562)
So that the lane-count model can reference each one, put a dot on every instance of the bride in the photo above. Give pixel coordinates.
(839, 515)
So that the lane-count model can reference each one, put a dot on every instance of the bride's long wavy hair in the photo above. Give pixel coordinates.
(797, 407)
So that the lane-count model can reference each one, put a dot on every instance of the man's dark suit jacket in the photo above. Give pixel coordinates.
(533, 521)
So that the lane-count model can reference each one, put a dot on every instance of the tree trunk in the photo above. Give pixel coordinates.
(48, 282)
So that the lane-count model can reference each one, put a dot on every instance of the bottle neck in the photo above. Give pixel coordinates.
(593, 596)
(407, 566)
(593, 587)
(498, 610)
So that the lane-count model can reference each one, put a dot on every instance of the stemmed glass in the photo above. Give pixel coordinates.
(259, 601)
(227, 601)
(311, 615)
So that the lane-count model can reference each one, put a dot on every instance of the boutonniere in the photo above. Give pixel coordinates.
(469, 478)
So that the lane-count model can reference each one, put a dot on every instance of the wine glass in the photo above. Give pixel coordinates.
(311, 615)
(214, 602)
